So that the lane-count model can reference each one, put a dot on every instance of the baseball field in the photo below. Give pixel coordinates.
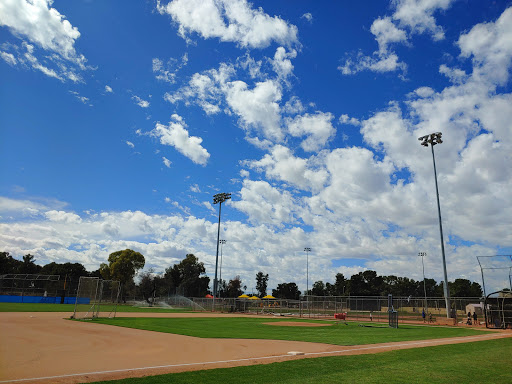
(147, 346)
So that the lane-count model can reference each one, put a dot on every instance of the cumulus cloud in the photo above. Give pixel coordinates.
(413, 16)
(266, 204)
(231, 21)
(63, 217)
(45, 27)
(258, 107)
(386, 32)
(176, 135)
(282, 64)
(280, 164)
(373, 202)
(318, 127)
(417, 15)
(490, 46)
(108, 89)
(207, 89)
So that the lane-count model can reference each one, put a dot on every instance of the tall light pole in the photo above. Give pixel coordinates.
(307, 250)
(218, 198)
(433, 139)
(422, 255)
(220, 269)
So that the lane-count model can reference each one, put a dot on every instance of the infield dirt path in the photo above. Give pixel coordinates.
(47, 348)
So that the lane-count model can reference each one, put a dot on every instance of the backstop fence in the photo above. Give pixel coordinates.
(36, 288)
(498, 310)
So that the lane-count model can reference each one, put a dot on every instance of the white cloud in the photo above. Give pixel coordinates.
(8, 58)
(252, 66)
(206, 89)
(108, 89)
(424, 92)
(308, 16)
(161, 73)
(168, 72)
(280, 164)
(386, 32)
(16, 206)
(258, 107)
(266, 204)
(418, 15)
(293, 106)
(49, 30)
(63, 217)
(83, 99)
(387, 62)
(177, 136)
(29, 58)
(346, 119)
(282, 64)
(42, 25)
(490, 46)
(130, 144)
(317, 127)
(231, 21)
(374, 202)
(456, 76)
(167, 162)
(140, 102)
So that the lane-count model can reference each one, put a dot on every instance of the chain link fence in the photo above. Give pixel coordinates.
(362, 308)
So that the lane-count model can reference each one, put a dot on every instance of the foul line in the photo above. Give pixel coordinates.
(431, 341)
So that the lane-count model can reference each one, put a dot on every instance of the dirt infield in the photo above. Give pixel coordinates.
(47, 348)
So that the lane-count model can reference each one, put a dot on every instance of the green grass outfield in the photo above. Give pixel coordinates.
(477, 362)
(255, 328)
(41, 307)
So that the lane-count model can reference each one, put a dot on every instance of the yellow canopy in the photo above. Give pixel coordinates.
(244, 296)
(254, 298)
(269, 297)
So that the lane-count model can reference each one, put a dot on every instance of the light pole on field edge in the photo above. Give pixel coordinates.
(218, 198)
(307, 250)
(422, 255)
(433, 139)
(220, 268)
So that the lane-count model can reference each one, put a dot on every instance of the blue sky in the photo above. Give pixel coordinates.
(120, 120)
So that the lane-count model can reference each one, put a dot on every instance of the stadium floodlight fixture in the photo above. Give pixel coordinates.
(221, 197)
(433, 139)
(218, 198)
(422, 255)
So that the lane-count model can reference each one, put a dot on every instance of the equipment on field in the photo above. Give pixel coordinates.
(392, 314)
(96, 298)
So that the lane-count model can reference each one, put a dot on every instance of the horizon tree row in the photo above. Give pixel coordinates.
(188, 278)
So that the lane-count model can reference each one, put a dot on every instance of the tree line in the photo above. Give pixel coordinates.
(188, 278)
